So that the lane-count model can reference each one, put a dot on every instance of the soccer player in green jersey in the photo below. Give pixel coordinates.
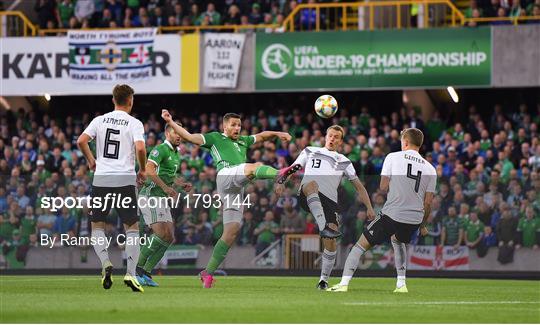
(229, 150)
(161, 169)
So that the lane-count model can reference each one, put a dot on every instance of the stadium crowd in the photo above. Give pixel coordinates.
(75, 14)
(501, 9)
(488, 191)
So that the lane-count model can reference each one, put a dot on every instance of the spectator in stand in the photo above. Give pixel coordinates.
(158, 18)
(46, 12)
(266, 232)
(246, 235)
(115, 6)
(64, 12)
(65, 224)
(214, 17)
(291, 222)
(452, 229)
(45, 222)
(473, 5)
(255, 16)
(491, 11)
(528, 230)
(106, 19)
(233, 16)
(194, 15)
(311, 226)
(506, 227)
(84, 9)
(474, 231)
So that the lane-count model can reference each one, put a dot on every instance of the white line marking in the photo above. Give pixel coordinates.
(424, 303)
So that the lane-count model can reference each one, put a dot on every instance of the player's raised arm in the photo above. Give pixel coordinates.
(196, 138)
(270, 135)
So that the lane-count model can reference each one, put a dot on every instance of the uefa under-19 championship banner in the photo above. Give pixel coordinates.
(378, 59)
(111, 56)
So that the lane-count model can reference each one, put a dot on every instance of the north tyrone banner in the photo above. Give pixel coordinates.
(376, 59)
(33, 66)
(222, 57)
(111, 56)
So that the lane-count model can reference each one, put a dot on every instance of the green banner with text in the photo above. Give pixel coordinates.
(377, 59)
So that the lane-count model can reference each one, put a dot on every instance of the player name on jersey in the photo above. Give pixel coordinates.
(115, 121)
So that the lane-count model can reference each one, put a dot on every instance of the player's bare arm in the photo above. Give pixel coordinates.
(186, 186)
(196, 138)
(151, 172)
(82, 143)
(385, 184)
(364, 197)
(270, 135)
(140, 150)
(428, 198)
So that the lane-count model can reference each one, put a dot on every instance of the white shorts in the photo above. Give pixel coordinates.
(157, 214)
(230, 186)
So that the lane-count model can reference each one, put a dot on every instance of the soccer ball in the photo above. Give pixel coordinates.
(326, 106)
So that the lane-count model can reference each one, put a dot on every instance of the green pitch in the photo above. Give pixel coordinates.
(80, 299)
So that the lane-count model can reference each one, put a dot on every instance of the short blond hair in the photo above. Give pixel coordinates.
(414, 135)
(338, 128)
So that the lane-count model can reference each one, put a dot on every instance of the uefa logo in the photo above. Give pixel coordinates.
(276, 61)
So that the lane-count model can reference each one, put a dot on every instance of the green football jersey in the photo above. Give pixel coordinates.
(225, 151)
(167, 161)
(529, 227)
(474, 230)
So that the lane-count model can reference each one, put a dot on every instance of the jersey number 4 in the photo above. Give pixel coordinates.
(416, 177)
(115, 144)
(315, 163)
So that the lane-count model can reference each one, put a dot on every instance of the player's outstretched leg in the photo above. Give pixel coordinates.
(260, 171)
(351, 264)
(327, 264)
(400, 258)
(311, 191)
(100, 247)
(132, 255)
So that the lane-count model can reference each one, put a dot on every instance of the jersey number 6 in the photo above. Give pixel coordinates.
(416, 177)
(114, 143)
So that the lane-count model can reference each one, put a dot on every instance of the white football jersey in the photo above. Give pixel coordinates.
(411, 176)
(115, 133)
(326, 168)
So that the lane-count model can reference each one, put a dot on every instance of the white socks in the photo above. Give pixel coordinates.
(315, 206)
(351, 264)
(100, 245)
(400, 258)
(132, 251)
(328, 260)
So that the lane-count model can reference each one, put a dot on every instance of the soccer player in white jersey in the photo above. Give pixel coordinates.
(323, 170)
(119, 139)
(411, 182)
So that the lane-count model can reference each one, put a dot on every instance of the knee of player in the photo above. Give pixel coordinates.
(169, 237)
(330, 244)
(310, 187)
(332, 226)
